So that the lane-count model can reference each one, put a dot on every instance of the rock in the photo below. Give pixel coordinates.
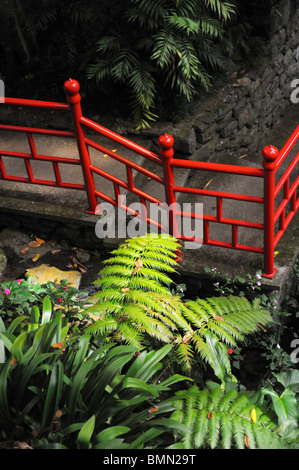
(18, 243)
(82, 256)
(13, 238)
(3, 261)
(184, 139)
(45, 273)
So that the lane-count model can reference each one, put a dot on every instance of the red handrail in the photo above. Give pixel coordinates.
(120, 139)
(37, 104)
(166, 162)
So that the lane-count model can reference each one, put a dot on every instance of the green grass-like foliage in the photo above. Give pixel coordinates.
(135, 301)
(225, 420)
(64, 392)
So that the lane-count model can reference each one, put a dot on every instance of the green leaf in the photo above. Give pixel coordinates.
(289, 379)
(84, 436)
(285, 406)
(47, 310)
(111, 433)
(130, 382)
(4, 406)
(53, 395)
(17, 346)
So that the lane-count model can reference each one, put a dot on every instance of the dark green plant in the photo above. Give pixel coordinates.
(171, 45)
(284, 404)
(220, 419)
(52, 382)
(135, 302)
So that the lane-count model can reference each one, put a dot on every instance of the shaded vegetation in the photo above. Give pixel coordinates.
(148, 53)
(65, 384)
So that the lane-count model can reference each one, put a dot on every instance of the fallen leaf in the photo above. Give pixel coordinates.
(121, 319)
(13, 361)
(153, 409)
(54, 252)
(243, 156)
(40, 240)
(210, 414)
(22, 445)
(253, 415)
(78, 265)
(82, 270)
(34, 244)
(58, 345)
(186, 339)
(114, 150)
(35, 257)
(105, 155)
(126, 289)
(208, 183)
(261, 327)
(58, 414)
(219, 318)
(138, 263)
(246, 441)
(25, 250)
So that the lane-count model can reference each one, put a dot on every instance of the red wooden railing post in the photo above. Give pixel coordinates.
(166, 153)
(71, 88)
(270, 154)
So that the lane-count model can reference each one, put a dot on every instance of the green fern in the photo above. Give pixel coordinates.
(134, 301)
(134, 296)
(171, 44)
(224, 420)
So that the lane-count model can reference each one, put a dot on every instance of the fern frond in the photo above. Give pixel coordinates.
(130, 334)
(103, 326)
(218, 419)
(134, 290)
(154, 274)
(185, 354)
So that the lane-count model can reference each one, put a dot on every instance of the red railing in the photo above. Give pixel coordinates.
(164, 174)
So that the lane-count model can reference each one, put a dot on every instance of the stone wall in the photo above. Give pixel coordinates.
(236, 118)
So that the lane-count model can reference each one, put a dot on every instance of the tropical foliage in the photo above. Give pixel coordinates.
(135, 301)
(148, 52)
(231, 419)
(54, 382)
(121, 382)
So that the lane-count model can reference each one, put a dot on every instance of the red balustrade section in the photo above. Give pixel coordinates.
(279, 202)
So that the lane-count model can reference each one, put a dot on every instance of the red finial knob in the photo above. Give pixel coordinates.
(270, 153)
(71, 87)
(166, 142)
